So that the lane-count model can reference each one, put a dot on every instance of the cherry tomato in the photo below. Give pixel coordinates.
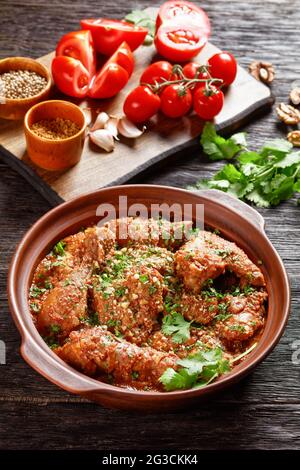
(178, 42)
(124, 57)
(141, 104)
(70, 76)
(176, 101)
(108, 81)
(191, 69)
(80, 46)
(156, 72)
(186, 11)
(208, 105)
(223, 65)
(109, 34)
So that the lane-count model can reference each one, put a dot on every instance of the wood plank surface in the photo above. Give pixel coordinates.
(163, 139)
(262, 411)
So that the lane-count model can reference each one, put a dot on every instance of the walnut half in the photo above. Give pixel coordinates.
(288, 114)
(294, 138)
(263, 71)
(295, 96)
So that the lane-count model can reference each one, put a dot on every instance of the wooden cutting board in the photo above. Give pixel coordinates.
(163, 139)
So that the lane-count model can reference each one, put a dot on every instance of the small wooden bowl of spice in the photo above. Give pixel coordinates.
(55, 132)
(23, 83)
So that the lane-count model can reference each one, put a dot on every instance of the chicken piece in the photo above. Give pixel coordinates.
(208, 256)
(97, 350)
(155, 232)
(65, 307)
(198, 308)
(131, 304)
(246, 317)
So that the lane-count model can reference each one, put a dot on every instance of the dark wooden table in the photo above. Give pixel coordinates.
(261, 412)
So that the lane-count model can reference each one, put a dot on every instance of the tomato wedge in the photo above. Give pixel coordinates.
(108, 81)
(124, 57)
(109, 34)
(178, 42)
(70, 76)
(79, 45)
(188, 12)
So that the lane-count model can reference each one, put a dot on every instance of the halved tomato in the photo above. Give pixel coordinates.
(70, 76)
(109, 34)
(79, 45)
(178, 42)
(182, 10)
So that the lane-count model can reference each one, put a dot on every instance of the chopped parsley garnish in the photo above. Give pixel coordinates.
(34, 307)
(120, 291)
(36, 291)
(92, 319)
(144, 278)
(55, 329)
(152, 290)
(135, 375)
(176, 326)
(237, 327)
(197, 370)
(59, 248)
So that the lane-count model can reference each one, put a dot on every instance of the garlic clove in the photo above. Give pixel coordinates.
(103, 139)
(100, 121)
(88, 116)
(129, 129)
(112, 126)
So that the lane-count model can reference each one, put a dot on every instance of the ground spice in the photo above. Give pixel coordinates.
(20, 84)
(55, 129)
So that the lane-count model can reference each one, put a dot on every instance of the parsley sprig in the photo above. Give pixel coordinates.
(176, 326)
(264, 178)
(195, 371)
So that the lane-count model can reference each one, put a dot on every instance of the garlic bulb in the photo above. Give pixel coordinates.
(103, 138)
(128, 129)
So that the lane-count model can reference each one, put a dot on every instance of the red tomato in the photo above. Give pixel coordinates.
(124, 57)
(176, 101)
(70, 76)
(108, 81)
(80, 46)
(190, 70)
(178, 42)
(156, 72)
(141, 104)
(186, 11)
(223, 65)
(208, 105)
(109, 34)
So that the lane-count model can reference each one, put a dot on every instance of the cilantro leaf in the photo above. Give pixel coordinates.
(197, 370)
(264, 178)
(142, 18)
(219, 148)
(176, 326)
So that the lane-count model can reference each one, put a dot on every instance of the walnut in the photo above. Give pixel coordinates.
(294, 138)
(295, 96)
(263, 71)
(288, 114)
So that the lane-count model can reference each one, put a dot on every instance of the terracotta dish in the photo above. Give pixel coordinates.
(14, 109)
(236, 221)
(55, 154)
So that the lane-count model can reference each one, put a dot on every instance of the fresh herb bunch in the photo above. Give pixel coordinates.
(142, 18)
(265, 177)
(197, 370)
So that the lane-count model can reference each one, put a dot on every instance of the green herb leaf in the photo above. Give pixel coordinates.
(264, 178)
(59, 248)
(142, 18)
(219, 148)
(196, 370)
(176, 326)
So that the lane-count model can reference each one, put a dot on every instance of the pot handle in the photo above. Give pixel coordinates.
(62, 375)
(239, 206)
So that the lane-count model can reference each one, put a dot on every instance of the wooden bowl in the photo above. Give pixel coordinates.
(17, 108)
(55, 154)
(236, 221)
